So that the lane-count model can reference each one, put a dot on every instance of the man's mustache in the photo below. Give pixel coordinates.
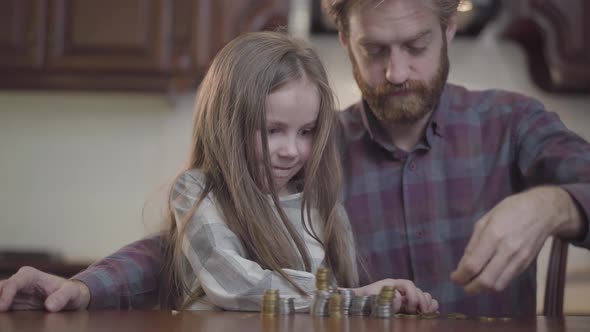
(409, 87)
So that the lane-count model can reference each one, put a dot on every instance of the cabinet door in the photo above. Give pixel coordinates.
(566, 29)
(219, 21)
(109, 35)
(22, 33)
(567, 24)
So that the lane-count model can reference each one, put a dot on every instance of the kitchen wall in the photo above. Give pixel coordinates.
(77, 169)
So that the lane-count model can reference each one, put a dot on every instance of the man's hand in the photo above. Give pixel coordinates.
(31, 289)
(507, 239)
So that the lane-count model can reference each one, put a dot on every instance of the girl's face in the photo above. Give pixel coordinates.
(291, 115)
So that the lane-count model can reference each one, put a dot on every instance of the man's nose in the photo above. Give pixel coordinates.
(398, 68)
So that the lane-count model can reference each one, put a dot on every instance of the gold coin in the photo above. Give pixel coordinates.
(456, 315)
(411, 316)
(486, 318)
(429, 316)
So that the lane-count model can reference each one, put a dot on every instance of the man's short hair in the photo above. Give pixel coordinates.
(338, 10)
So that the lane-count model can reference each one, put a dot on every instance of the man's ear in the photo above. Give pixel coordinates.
(451, 28)
(344, 40)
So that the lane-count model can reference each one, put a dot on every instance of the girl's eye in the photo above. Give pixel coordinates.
(271, 131)
(306, 132)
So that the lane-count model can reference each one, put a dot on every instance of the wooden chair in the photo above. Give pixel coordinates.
(554, 286)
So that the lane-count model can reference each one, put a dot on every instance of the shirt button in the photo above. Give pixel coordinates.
(412, 166)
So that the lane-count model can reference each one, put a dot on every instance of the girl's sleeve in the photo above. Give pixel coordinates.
(219, 261)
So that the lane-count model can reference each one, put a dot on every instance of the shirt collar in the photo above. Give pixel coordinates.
(379, 134)
(438, 119)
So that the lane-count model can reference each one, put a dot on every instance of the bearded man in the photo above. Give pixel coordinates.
(454, 189)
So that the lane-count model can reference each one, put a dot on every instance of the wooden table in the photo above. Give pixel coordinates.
(164, 321)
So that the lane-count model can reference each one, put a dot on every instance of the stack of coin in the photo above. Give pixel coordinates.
(387, 294)
(319, 305)
(322, 277)
(335, 306)
(383, 307)
(360, 305)
(270, 302)
(286, 306)
(347, 295)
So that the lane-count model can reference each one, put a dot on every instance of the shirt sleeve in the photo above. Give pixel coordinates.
(549, 153)
(219, 261)
(127, 279)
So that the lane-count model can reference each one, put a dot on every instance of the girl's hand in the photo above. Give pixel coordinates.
(408, 298)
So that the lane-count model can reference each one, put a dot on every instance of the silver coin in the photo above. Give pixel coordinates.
(320, 304)
(286, 306)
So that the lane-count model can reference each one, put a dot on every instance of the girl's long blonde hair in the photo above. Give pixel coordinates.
(230, 110)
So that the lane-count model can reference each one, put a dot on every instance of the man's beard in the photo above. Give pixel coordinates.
(419, 99)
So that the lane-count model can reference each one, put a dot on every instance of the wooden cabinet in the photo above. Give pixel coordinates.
(12, 260)
(219, 21)
(556, 36)
(22, 33)
(111, 35)
(147, 45)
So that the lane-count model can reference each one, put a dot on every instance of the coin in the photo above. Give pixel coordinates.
(486, 319)
(456, 315)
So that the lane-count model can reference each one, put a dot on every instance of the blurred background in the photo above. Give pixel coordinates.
(96, 101)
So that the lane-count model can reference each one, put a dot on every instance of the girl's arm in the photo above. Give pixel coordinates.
(219, 261)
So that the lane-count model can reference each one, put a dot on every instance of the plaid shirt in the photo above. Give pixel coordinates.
(413, 213)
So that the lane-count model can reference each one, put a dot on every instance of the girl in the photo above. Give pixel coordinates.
(257, 207)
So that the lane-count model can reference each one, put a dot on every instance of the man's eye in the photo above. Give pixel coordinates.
(416, 50)
(375, 51)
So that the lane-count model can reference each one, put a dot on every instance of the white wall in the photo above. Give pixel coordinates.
(76, 169)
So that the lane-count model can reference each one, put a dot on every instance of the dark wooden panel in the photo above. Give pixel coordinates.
(567, 25)
(146, 45)
(9, 267)
(556, 37)
(113, 35)
(223, 20)
(22, 33)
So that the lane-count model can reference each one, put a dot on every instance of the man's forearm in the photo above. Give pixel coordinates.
(127, 279)
(568, 214)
